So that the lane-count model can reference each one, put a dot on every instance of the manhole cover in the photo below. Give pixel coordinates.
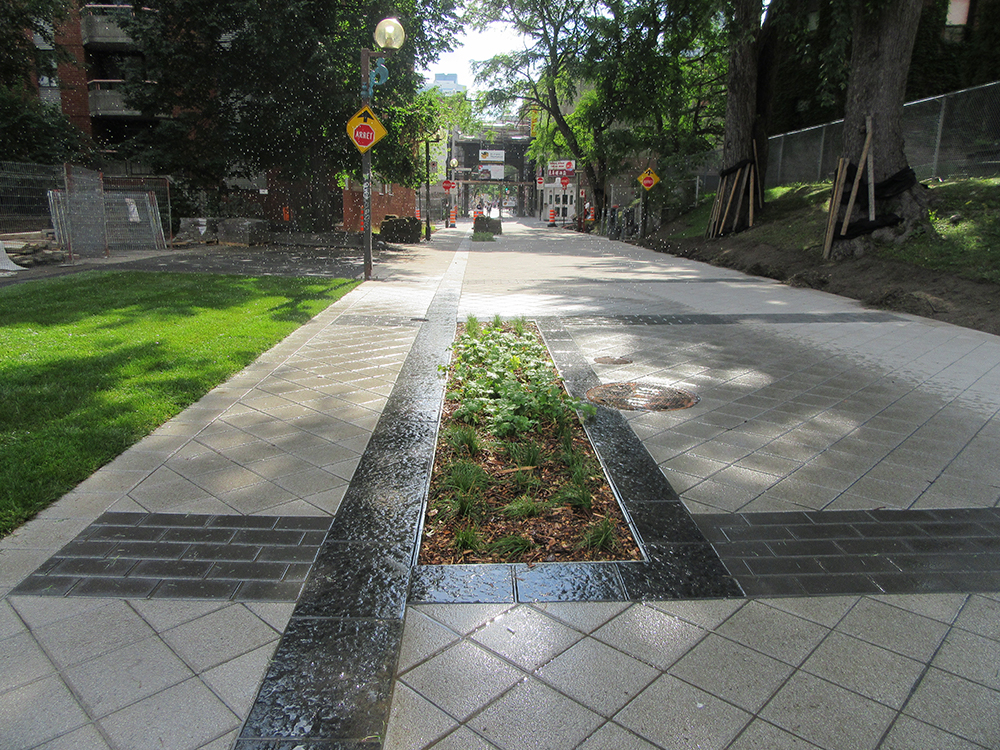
(639, 397)
(613, 361)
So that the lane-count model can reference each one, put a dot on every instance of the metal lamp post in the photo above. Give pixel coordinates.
(389, 37)
(453, 200)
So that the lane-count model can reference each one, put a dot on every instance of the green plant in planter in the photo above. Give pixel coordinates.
(482, 237)
(524, 507)
(574, 495)
(464, 439)
(467, 538)
(599, 535)
(513, 545)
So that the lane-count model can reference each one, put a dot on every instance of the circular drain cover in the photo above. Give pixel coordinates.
(637, 397)
(613, 361)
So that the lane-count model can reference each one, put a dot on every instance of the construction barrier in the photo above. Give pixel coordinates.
(552, 217)
(593, 212)
(418, 212)
(454, 214)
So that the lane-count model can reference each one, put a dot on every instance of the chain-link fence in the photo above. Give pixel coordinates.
(953, 135)
(89, 214)
(24, 188)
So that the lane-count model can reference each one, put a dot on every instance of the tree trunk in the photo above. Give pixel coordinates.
(741, 84)
(882, 45)
(741, 100)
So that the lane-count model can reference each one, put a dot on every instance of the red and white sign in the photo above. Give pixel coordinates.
(540, 181)
(448, 185)
(564, 182)
(364, 135)
(562, 168)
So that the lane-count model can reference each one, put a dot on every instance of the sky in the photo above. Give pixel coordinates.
(478, 46)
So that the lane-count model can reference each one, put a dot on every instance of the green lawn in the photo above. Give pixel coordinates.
(92, 362)
(966, 216)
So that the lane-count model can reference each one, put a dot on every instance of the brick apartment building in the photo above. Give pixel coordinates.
(89, 93)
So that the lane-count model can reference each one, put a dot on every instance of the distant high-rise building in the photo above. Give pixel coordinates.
(447, 83)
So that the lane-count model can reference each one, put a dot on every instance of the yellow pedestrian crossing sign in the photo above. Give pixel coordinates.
(648, 179)
(365, 130)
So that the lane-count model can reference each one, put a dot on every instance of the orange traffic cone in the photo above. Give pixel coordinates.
(552, 217)
(454, 214)
(418, 212)
(593, 212)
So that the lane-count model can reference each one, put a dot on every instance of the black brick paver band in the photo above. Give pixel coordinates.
(176, 556)
(859, 551)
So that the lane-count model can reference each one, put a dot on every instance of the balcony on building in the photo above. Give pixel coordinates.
(107, 100)
(99, 26)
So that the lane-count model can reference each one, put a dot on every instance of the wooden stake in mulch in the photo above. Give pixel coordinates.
(835, 194)
(733, 187)
(840, 182)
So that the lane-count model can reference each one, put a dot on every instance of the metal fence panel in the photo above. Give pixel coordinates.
(160, 186)
(24, 196)
(133, 222)
(953, 135)
(87, 236)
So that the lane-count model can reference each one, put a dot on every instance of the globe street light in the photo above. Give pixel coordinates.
(389, 36)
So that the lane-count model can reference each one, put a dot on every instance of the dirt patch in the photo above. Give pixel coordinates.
(876, 282)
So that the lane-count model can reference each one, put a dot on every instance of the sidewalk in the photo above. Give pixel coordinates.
(837, 482)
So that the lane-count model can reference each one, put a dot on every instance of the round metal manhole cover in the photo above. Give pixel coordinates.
(613, 360)
(639, 397)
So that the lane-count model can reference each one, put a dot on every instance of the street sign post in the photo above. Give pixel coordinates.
(448, 185)
(564, 181)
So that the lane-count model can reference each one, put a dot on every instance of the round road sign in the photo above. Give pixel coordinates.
(648, 182)
(540, 181)
(448, 185)
(565, 182)
(364, 135)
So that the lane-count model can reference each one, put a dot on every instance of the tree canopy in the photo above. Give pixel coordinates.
(253, 85)
(20, 22)
(613, 78)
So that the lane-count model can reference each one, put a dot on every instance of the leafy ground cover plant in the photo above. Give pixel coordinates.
(515, 478)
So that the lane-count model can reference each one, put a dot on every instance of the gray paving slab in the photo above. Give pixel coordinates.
(872, 410)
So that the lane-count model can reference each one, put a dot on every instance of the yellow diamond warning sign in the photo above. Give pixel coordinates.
(648, 179)
(365, 129)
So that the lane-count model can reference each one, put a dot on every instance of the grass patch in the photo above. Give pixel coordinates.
(966, 216)
(482, 237)
(93, 362)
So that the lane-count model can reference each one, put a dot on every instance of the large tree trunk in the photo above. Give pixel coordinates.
(741, 110)
(882, 44)
(741, 84)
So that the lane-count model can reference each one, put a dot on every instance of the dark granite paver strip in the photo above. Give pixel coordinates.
(330, 682)
(857, 552)
(163, 555)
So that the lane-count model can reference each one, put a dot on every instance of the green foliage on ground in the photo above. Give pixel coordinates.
(504, 381)
(965, 215)
(91, 363)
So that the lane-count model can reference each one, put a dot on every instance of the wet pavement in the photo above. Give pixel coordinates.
(820, 530)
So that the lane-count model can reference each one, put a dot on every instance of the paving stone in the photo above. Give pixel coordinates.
(532, 715)
(671, 713)
(462, 678)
